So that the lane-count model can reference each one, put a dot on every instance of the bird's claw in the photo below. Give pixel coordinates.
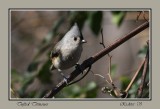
(79, 67)
(65, 78)
(66, 81)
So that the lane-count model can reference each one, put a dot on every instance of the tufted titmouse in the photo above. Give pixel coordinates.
(67, 51)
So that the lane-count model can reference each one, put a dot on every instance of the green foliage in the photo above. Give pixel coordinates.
(124, 82)
(95, 20)
(143, 50)
(134, 88)
(113, 70)
(75, 91)
(91, 90)
(118, 17)
(23, 81)
(133, 91)
(44, 74)
(16, 77)
(27, 80)
(78, 16)
(33, 66)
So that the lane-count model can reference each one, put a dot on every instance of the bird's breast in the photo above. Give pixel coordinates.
(70, 57)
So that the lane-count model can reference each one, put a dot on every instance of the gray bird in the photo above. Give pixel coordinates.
(67, 51)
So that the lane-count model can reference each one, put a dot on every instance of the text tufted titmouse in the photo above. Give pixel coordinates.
(67, 51)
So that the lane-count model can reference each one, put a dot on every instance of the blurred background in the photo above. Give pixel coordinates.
(34, 34)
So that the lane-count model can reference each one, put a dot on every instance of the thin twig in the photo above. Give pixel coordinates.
(143, 13)
(109, 73)
(146, 63)
(87, 63)
(134, 77)
(138, 16)
(116, 90)
(144, 17)
(102, 43)
(120, 41)
(96, 74)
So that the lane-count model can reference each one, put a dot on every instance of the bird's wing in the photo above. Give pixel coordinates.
(55, 52)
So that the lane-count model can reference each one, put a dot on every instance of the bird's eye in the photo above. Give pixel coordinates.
(75, 38)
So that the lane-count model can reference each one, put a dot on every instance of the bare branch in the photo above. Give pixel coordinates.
(120, 41)
(114, 88)
(138, 16)
(134, 77)
(102, 43)
(146, 63)
(87, 63)
(96, 74)
(109, 73)
(143, 13)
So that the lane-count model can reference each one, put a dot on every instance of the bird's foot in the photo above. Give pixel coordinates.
(79, 67)
(65, 78)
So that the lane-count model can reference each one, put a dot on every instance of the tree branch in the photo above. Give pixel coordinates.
(102, 43)
(87, 63)
(137, 72)
(134, 77)
(120, 41)
(146, 63)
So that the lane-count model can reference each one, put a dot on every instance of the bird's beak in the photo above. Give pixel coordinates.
(84, 41)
